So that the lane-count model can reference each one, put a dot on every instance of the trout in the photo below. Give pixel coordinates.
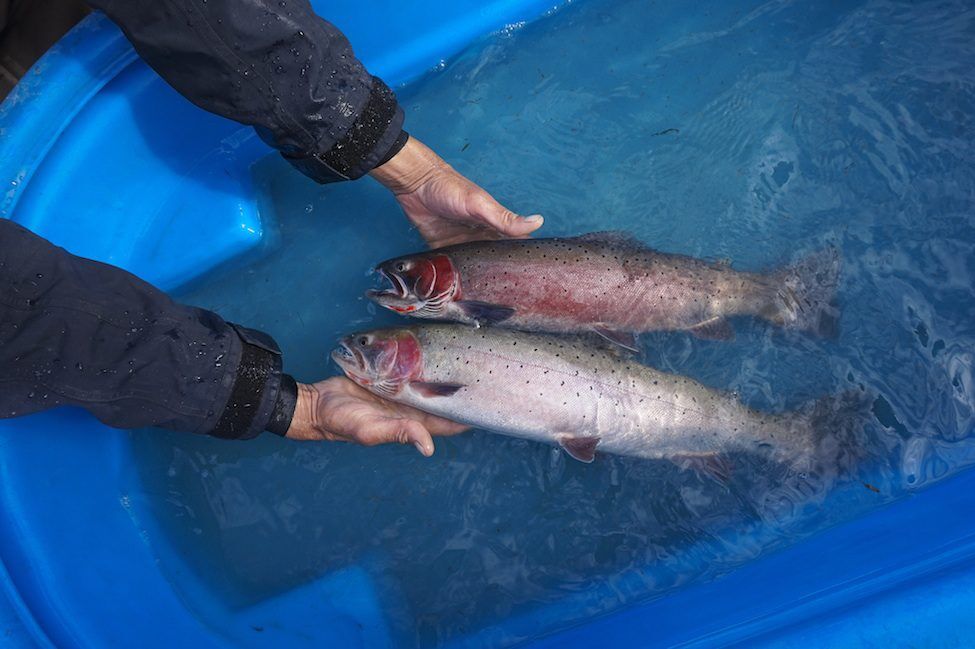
(605, 283)
(574, 393)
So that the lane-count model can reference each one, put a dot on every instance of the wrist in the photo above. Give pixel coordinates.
(410, 168)
(304, 422)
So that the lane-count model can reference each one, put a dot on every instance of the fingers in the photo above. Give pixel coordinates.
(442, 427)
(504, 220)
(353, 414)
(413, 432)
(401, 431)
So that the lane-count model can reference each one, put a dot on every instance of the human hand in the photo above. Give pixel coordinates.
(338, 410)
(445, 206)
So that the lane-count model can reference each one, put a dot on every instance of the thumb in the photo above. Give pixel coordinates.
(413, 432)
(504, 220)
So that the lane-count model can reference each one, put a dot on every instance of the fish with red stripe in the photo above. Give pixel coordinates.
(606, 283)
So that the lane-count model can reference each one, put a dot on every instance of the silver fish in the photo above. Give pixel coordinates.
(570, 392)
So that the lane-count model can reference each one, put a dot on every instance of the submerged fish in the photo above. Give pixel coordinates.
(581, 396)
(606, 283)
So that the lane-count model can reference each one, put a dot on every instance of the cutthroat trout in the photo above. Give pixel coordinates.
(606, 283)
(578, 395)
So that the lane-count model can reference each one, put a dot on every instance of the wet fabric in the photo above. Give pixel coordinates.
(82, 333)
(275, 65)
(27, 29)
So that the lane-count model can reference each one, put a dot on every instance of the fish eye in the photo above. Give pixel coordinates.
(363, 340)
(400, 267)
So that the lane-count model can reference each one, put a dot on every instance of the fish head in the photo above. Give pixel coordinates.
(421, 286)
(382, 361)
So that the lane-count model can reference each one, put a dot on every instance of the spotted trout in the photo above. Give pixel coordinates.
(605, 283)
(575, 393)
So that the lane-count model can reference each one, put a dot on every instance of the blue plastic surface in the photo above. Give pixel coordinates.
(100, 156)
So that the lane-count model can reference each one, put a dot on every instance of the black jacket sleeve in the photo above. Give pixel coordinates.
(277, 66)
(78, 332)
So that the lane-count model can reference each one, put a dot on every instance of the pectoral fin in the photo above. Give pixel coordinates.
(580, 448)
(625, 339)
(714, 329)
(428, 389)
(484, 312)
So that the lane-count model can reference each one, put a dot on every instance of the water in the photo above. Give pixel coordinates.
(739, 130)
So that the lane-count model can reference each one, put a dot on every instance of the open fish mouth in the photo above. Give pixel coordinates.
(397, 297)
(397, 287)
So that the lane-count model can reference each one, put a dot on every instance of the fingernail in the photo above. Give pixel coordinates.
(534, 218)
(419, 447)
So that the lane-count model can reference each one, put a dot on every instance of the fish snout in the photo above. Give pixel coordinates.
(347, 358)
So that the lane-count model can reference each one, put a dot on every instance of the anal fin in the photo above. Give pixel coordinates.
(716, 328)
(580, 448)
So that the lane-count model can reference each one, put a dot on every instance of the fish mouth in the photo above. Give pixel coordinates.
(397, 297)
(397, 285)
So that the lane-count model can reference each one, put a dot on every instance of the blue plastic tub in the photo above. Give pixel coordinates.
(100, 156)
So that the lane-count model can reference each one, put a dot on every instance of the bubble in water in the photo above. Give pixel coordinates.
(511, 28)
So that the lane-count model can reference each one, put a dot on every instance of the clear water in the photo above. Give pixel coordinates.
(739, 130)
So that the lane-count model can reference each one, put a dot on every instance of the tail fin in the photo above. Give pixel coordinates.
(824, 442)
(826, 436)
(804, 293)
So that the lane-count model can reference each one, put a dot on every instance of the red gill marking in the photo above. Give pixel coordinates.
(409, 357)
(447, 278)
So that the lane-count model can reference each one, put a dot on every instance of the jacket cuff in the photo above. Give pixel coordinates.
(366, 145)
(256, 388)
(284, 407)
(398, 145)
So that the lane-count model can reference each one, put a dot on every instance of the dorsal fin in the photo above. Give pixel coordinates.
(724, 263)
(613, 237)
